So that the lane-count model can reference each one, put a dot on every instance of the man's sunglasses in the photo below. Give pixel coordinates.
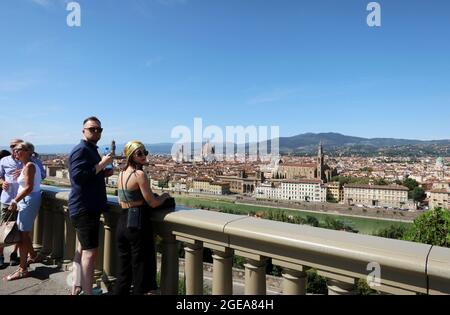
(95, 129)
(141, 154)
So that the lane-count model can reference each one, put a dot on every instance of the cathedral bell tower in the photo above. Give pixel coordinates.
(320, 163)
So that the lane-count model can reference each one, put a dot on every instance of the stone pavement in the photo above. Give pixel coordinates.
(50, 280)
(42, 280)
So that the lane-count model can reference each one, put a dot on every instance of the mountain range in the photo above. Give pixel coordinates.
(303, 143)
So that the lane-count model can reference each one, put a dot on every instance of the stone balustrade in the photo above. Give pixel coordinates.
(403, 267)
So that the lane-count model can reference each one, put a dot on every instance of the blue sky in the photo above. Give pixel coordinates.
(146, 66)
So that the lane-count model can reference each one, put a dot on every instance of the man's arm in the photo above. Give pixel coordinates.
(79, 168)
(2, 172)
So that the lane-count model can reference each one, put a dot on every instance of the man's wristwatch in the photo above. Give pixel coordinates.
(14, 202)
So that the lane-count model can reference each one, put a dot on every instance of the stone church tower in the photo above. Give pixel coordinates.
(320, 163)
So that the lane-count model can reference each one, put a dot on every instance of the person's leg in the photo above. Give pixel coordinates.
(2, 216)
(139, 260)
(88, 257)
(25, 224)
(33, 203)
(13, 257)
(76, 270)
(124, 273)
(25, 246)
(22, 271)
(143, 255)
(87, 227)
(151, 250)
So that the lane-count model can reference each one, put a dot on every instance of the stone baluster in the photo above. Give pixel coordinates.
(69, 240)
(109, 247)
(294, 282)
(169, 265)
(99, 266)
(194, 268)
(255, 276)
(57, 252)
(222, 272)
(294, 277)
(337, 287)
(37, 230)
(48, 224)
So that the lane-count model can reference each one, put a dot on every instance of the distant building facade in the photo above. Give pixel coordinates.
(393, 196)
(440, 195)
(319, 170)
(292, 190)
(205, 185)
(335, 191)
(243, 183)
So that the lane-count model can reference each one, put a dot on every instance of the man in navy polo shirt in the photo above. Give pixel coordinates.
(87, 200)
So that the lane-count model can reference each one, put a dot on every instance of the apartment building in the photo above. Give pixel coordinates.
(292, 190)
(392, 196)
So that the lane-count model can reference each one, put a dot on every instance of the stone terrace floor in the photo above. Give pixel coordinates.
(42, 280)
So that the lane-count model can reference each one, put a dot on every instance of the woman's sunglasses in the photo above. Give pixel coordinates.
(141, 154)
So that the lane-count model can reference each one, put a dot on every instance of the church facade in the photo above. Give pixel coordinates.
(319, 170)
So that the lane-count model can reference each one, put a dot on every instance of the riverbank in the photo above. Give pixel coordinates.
(364, 225)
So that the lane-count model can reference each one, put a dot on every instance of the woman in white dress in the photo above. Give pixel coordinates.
(27, 202)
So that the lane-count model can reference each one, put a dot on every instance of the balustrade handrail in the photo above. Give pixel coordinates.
(403, 267)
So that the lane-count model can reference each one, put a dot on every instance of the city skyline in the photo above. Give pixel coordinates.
(145, 67)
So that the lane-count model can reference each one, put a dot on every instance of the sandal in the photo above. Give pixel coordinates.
(16, 275)
(78, 291)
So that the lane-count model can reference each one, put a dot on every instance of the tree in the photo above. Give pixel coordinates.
(338, 225)
(314, 283)
(432, 227)
(381, 182)
(417, 194)
(310, 220)
(393, 231)
(410, 183)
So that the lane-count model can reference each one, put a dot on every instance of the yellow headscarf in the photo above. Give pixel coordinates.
(131, 147)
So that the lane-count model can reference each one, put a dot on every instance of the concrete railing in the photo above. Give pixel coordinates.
(400, 267)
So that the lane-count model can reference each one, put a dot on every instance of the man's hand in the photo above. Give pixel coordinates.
(5, 185)
(16, 173)
(107, 159)
(13, 207)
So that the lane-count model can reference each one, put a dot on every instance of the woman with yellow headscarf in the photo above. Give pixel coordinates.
(137, 261)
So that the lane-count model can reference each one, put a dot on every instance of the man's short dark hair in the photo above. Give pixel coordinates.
(92, 118)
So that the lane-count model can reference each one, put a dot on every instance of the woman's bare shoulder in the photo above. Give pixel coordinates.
(140, 174)
(30, 166)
